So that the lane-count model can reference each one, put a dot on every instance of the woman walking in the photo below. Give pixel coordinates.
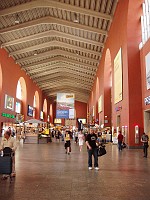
(81, 140)
(67, 142)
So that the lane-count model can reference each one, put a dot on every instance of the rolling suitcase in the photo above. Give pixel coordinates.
(6, 163)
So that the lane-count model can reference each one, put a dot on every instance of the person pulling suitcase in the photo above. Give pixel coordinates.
(9, 142)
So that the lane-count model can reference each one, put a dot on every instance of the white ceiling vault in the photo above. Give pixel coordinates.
(58, 43)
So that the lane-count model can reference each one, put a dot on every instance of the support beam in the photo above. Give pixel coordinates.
(59, 59)
(55, 53)
(60, 66)
(53, 4)
(62, 71)
(55, 77)
(52, 33)
(54, 44)
(52, 20)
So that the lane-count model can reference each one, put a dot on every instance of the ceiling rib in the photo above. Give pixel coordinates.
(54, 4)
(52, 33)
(54, 44)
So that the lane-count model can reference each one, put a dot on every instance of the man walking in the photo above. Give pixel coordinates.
(91, 141)
(120, 139)
(144, 140)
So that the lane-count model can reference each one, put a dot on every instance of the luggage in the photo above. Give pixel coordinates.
(6, 165)
(6, 162)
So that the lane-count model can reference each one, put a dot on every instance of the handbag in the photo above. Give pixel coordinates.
(101, 151)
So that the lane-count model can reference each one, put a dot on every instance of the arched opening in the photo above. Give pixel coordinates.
(107, 104)
(45, 109)
(0, 80)
(97, 96)
(36, 105)
(21, 95)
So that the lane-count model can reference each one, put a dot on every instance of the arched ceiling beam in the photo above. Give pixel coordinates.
(56, 52)
(54, 4)
(50, 82)
(63, 85)
(62, 71)
(56, 76)
(59, 59)
(60, 66)
(54, 44)
(79, 90)
(52, 33)
(52, 20)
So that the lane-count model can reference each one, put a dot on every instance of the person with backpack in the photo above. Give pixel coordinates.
(144, 140)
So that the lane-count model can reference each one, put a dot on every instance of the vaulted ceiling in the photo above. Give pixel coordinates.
(58, 43)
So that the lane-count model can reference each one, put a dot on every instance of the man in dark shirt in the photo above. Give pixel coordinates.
(91, 141)
(144, 140)
(120, 139)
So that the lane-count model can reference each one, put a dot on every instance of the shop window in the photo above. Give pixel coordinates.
(19, 91)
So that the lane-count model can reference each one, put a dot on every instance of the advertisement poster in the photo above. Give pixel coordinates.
(118, 77)
(147, 62)
(9, 102)
(65, 105)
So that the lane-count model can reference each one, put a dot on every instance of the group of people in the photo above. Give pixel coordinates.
(91, 141)
(144, 140)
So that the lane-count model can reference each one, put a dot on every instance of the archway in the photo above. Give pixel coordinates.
(45, 109)
(107, 104)
(21, 94)
(36, 104)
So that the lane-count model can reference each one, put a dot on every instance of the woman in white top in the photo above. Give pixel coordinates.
(81, 139)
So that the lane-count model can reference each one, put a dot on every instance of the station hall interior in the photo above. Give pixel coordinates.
(96, 52)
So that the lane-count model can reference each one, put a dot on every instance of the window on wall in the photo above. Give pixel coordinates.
(34, 102)
(34, 105)
(19, 91)
(145, 22)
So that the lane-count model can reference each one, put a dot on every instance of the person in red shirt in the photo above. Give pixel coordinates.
(120, 140)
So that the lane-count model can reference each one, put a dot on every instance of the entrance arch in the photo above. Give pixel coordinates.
(23, 96)
(107, 89)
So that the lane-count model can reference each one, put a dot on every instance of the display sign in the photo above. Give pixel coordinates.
(147, 62)
(118, 77)
(57, 121)
(8, 115)
(19, 118)
(9, 102)
(30, 111)
(65, 106)
(83, 120)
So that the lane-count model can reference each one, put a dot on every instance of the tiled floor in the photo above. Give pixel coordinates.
(45, 172)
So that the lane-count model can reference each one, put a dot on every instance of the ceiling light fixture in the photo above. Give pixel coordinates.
(17, 21)
(75, 18)
(35, 53)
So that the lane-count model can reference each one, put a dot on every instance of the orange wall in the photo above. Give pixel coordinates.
(125, 33)
(11, 73)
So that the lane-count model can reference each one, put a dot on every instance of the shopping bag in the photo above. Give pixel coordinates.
(101, 150)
